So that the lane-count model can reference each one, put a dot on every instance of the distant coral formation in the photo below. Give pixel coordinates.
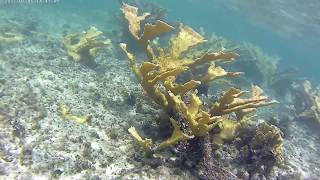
(258, 66)
(8, 37)
(307, 102)
(82, 47)
(158, 78)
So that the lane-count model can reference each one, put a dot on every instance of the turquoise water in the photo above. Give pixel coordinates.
(68, 114)
(294, 41)
(295, 48)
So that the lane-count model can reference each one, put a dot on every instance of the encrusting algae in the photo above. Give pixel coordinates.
(83, 47)
(158, 76)
(261, 150)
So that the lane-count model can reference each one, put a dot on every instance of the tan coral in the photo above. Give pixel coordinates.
(8, 38)
(200, 122)
(170, 64)
(184, 40)
(227, 131)
(150, 30)
(216, 73)
(144, 143)
(231, 102)
(82, 47)
(134, 21)
(176, 136)
(158, 78)
(65, 112)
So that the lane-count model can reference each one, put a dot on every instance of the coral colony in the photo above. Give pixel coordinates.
(158, 78)
(83, 47)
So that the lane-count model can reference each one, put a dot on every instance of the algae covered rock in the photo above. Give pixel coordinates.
(83, 47)
(261, 149)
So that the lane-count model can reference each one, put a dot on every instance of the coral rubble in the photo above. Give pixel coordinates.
(82, 47)
(158, 78)
(65, 113)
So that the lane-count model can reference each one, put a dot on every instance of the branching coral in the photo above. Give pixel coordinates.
(145, 143)
(82, 47)
(230, 102)
(158, 78)
(150, 30)
(155, 9)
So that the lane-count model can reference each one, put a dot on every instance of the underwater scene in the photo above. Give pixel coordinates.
(159, 90)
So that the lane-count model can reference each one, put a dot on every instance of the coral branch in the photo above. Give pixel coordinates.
(176, 136)
(185, 39)
(131, 14)
(83, 47)
(150, 30)
(65, 112)
(231, 102)
(211, 57)
(144, 143)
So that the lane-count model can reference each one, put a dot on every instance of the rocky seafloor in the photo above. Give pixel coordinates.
(36, 142)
